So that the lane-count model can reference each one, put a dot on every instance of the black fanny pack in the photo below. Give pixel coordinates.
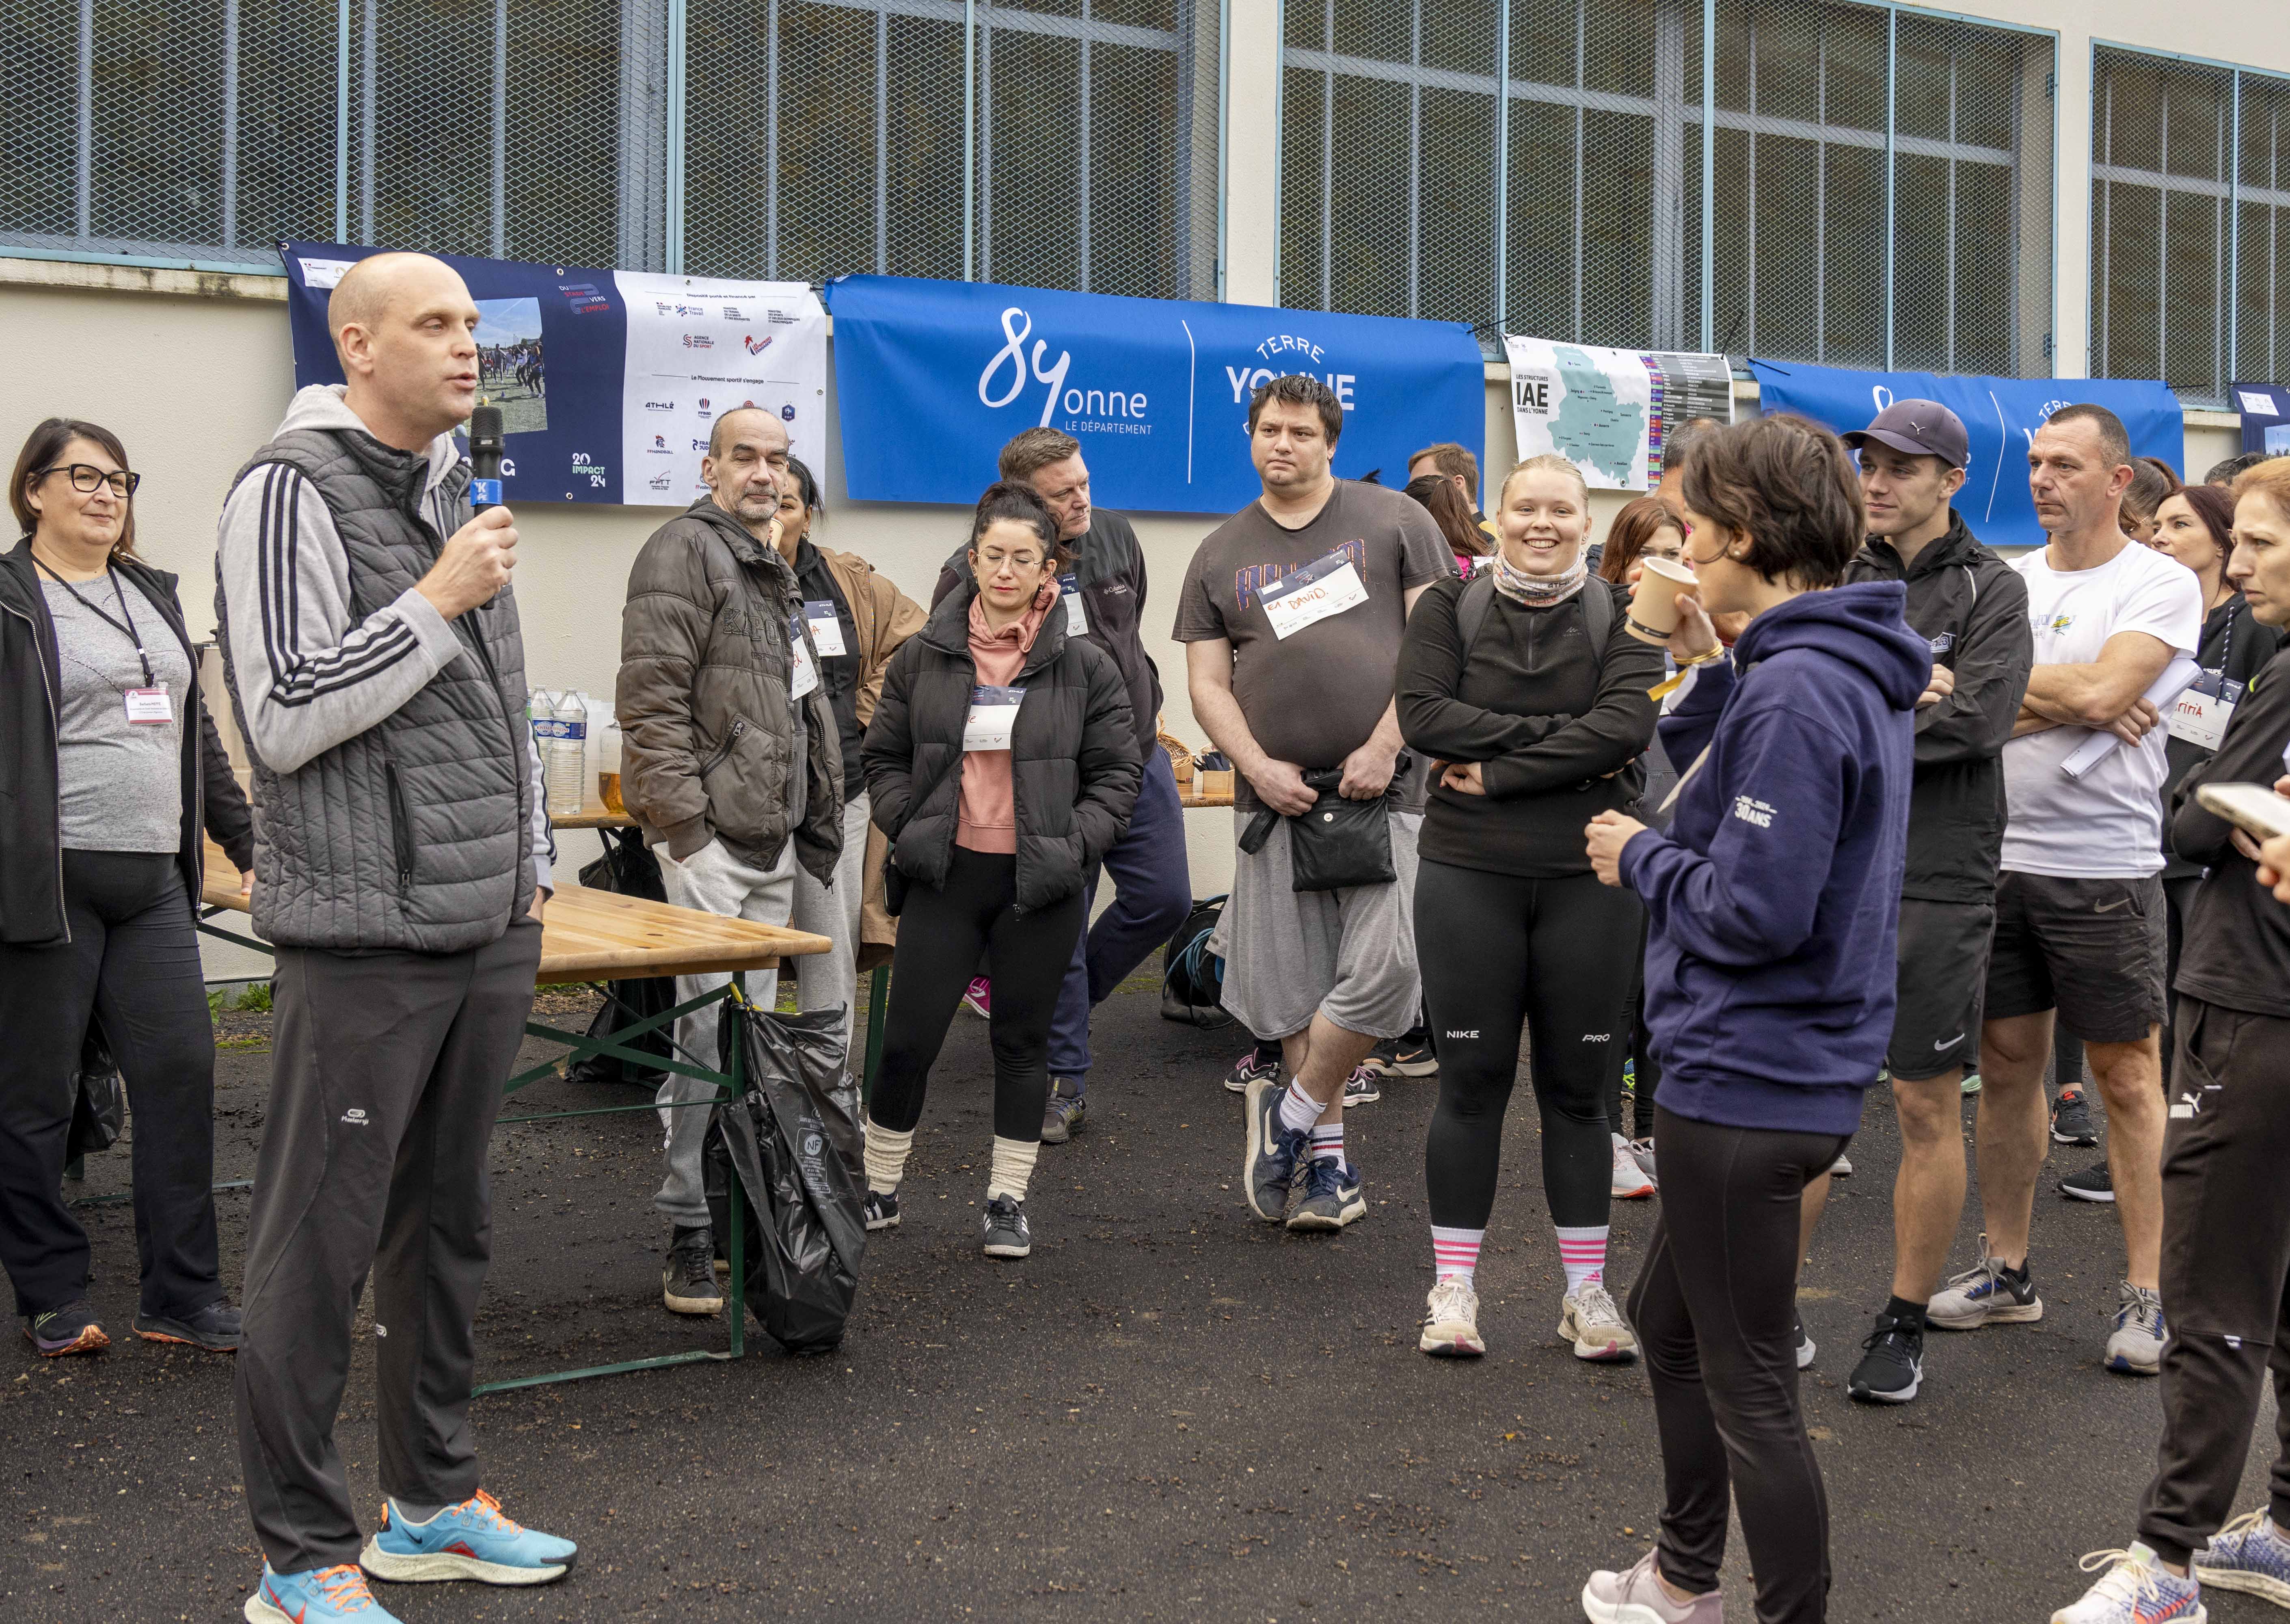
(1339, 842)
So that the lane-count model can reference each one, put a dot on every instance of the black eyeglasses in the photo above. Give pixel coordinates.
(85, 477)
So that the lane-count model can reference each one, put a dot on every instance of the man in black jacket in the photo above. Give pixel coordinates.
(1103, 572)
(1968, 603)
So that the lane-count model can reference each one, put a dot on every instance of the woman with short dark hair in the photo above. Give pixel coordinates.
(114, 771)
(1003, 765)
(1773, 902)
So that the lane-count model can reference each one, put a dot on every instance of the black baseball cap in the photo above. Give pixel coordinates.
(1921, 429)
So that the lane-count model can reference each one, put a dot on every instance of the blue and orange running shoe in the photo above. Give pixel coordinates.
(319, 1596)
(470, 1540)
(2249, 1554)
(2134, 1589)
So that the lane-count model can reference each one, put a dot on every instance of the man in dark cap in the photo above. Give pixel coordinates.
(1968, 603)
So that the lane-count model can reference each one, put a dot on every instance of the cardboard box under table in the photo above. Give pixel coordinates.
(590, 936)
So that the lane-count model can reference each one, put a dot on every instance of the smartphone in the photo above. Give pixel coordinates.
(2250, 806)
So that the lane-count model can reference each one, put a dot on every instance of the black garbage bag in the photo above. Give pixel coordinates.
(1192, 978)
(628, 869)
(793, 1142)
(99, 1102)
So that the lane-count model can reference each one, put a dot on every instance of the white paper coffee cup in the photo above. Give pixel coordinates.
(1653, 604)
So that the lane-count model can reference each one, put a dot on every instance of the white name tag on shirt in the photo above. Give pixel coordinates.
(1076, 616)
(149, 705)
(2202, 710)
(993, 717)
(826, 628)
(1326, 586)
(804, 674)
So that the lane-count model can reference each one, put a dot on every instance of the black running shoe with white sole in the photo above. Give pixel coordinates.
(1006, 1234)
(881, 1210)
(1892, 1362)
(2091, 1184)
(213, 1328)
(1361, 1088)
(2072, 1119)
(1261, 1061)
(1403, 1057)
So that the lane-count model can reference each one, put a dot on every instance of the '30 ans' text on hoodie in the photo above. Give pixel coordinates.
(1774, 898)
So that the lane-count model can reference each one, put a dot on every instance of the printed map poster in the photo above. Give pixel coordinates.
(1609, 411)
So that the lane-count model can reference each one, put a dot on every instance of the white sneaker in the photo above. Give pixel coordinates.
(1842, 1167)
(1590, 1319)
(2136, 1589)
(2135, 1346)
(1630, 1182)
(1451, 1320)
(1642, 1152)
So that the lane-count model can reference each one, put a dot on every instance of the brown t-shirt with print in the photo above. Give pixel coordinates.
(1313, 697)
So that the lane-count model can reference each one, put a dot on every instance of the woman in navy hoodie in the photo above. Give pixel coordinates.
(1772, 904)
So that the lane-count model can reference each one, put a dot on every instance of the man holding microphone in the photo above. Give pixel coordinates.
(402, 861)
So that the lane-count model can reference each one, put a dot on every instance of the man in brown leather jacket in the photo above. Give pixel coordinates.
(731, 761)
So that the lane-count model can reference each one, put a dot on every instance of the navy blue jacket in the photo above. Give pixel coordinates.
(1774, 898)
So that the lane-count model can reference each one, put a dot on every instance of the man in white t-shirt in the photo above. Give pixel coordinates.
(2080, 913)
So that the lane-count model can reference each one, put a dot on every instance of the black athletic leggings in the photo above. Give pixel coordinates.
(1714, 1306)
(1496, 950)
(940, 935)
(133, 963)
(1646, 1071)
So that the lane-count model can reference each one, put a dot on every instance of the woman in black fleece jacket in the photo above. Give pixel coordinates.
(1536, 698)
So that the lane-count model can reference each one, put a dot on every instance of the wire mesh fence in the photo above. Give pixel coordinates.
(2190, 182)
(1061, 143)
(1881, 178)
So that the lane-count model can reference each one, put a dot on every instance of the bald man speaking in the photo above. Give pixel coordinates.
(402, 860)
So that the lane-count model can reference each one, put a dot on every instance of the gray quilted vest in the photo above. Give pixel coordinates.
(417, 834)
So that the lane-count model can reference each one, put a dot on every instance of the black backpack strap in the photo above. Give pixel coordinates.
(1599, 616)
(1479, 594)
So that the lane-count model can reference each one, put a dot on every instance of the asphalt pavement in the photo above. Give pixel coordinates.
(1170, 1411)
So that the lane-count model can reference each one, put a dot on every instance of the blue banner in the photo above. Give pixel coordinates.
(933, 378)
(2265, 409)
(2001, 416)
(609, 383)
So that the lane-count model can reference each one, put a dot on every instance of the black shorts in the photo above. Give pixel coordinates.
(1943, 967)
(2091, 950)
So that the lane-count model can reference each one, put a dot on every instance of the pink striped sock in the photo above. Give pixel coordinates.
(1583, 1253)
(1328, 1141)
(1455, 1252)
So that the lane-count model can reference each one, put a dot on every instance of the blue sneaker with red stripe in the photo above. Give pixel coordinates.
(2249, 1554)
(470, 1540)
(2135, 1588)
(319, 1596)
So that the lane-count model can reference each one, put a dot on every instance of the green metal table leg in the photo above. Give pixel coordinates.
(878, 1005)
(735, 1207)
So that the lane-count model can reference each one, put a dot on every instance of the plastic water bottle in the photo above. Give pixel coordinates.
(563, 757)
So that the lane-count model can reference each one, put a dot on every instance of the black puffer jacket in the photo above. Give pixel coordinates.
(1073, 768)
(31, 797)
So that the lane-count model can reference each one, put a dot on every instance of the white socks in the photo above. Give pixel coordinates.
(1583, 1253)
(1329, 1142)
(1456, 1251)
(1014, 1167)
(1298, 1110)
(886, 1157)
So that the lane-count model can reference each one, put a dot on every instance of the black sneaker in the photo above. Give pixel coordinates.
(1403, 1057)
(1361, 1088)
(882, 1212)
(2091, 1184)
(1261, 1061)
(1892, 1364)
(1006, 1234)
(214, 1328)
(2072, 1119)
(687, 1285)
(1064, 1112)
(71, 1329)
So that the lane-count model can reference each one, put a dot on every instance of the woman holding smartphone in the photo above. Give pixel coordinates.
(1526, 684)
(1002, 765)
(1774, 902)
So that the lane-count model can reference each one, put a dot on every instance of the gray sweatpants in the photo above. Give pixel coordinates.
(386, 1078)
(824, 980)
(713, 881)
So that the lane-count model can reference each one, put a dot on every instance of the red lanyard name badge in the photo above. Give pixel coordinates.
(151, 704)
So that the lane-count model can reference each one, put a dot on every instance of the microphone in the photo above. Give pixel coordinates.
(485, 457)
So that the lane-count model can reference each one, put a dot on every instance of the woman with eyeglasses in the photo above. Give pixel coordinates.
(114, 770)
